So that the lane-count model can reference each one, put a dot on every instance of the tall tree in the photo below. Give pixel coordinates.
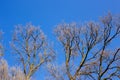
(29, 43)
(88, 50)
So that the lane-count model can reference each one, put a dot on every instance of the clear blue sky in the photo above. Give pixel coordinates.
(48, 13)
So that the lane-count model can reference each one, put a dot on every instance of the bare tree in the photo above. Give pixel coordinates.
(89, 54)
(6, 72)
(29, 43)
(10, 73)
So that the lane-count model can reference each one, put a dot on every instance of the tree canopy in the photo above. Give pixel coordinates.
(88, 51)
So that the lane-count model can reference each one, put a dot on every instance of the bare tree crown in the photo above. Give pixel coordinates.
(88, 50)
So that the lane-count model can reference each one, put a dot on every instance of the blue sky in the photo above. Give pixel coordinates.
(48, 13)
